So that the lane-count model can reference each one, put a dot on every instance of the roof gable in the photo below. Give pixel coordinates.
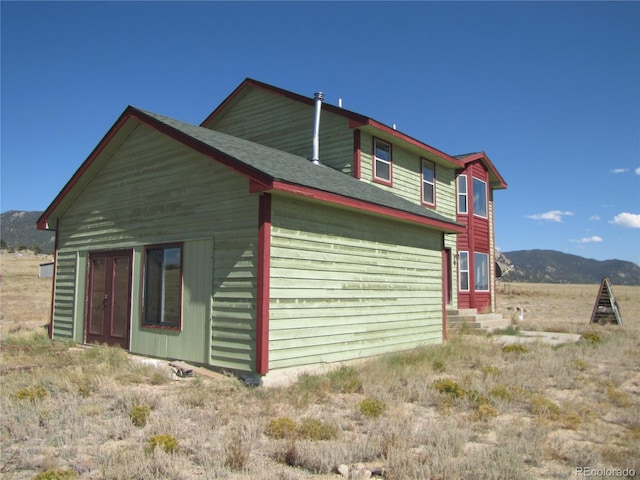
(268, 169)
(251, 83)
(495, 179)
(356, 120)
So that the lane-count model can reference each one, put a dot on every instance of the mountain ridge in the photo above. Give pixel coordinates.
(551, 266)
(18, 231)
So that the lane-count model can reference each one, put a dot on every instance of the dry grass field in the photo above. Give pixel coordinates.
(468, 409)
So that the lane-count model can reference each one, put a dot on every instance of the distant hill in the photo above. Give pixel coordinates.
(550, 266)
(18, 230)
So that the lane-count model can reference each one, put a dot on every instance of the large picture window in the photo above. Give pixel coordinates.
(462, 194)
(162, 286)
(382, 164)
(481, 272)
(428, 182)
(479, 198)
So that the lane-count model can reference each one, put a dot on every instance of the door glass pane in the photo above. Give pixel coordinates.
(120, 297)
(97, 297)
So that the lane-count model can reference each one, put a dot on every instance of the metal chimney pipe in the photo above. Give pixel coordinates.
(315, 157)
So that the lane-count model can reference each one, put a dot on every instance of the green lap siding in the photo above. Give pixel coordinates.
(346, 286)
(287, 125)
(64, 297)
(407, 175)
(152, 190)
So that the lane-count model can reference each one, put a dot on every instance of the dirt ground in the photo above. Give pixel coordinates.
(549, 410)
(25, 299)
(563, 308)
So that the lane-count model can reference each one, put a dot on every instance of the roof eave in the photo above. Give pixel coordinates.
(250, 82)
(356, 120)
(362, 206)
(389, 131)
(258, 181)
(43, 222)
(132, 113)
(499, 182)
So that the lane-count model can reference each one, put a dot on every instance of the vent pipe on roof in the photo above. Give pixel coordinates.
(315, 157)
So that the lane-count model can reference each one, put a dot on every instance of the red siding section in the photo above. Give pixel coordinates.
(476, 239)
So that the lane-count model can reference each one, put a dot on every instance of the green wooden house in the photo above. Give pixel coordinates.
(224, 245)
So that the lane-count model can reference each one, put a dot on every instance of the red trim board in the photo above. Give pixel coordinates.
(264, 274)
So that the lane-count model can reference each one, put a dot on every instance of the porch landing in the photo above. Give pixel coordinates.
(469, 318)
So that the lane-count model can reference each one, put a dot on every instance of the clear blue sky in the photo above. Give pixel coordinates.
(549, 90)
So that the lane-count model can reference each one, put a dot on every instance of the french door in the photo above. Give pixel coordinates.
(108, 301)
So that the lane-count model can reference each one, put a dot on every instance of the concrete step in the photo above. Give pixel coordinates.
(484, 322)
(462, 311)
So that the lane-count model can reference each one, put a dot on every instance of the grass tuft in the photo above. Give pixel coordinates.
(309, 429)
(282, 427)
(484, 412)
(139, 414)
(372, 407)
(345, 380)
(56, 475)
(449, 387)
(32, 394)
(591, 337)
(515, 348)
(313, 429)
(166, 442)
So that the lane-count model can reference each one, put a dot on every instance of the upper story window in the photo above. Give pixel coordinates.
(382, 164)
(462, 194)
(428, 182)
(479, 198)
(162, 304)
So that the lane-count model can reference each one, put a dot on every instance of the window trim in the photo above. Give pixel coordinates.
(143, 291)
(461, 271)
(376, 178)
(486, 198)
(476, 276)
(422, 183)
(464, 194)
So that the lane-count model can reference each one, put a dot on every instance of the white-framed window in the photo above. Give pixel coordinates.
(481, 272)
(428, 182)
(463, 270)
(462, 194)
(479, 197)
(382, 163)
(162, 301)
